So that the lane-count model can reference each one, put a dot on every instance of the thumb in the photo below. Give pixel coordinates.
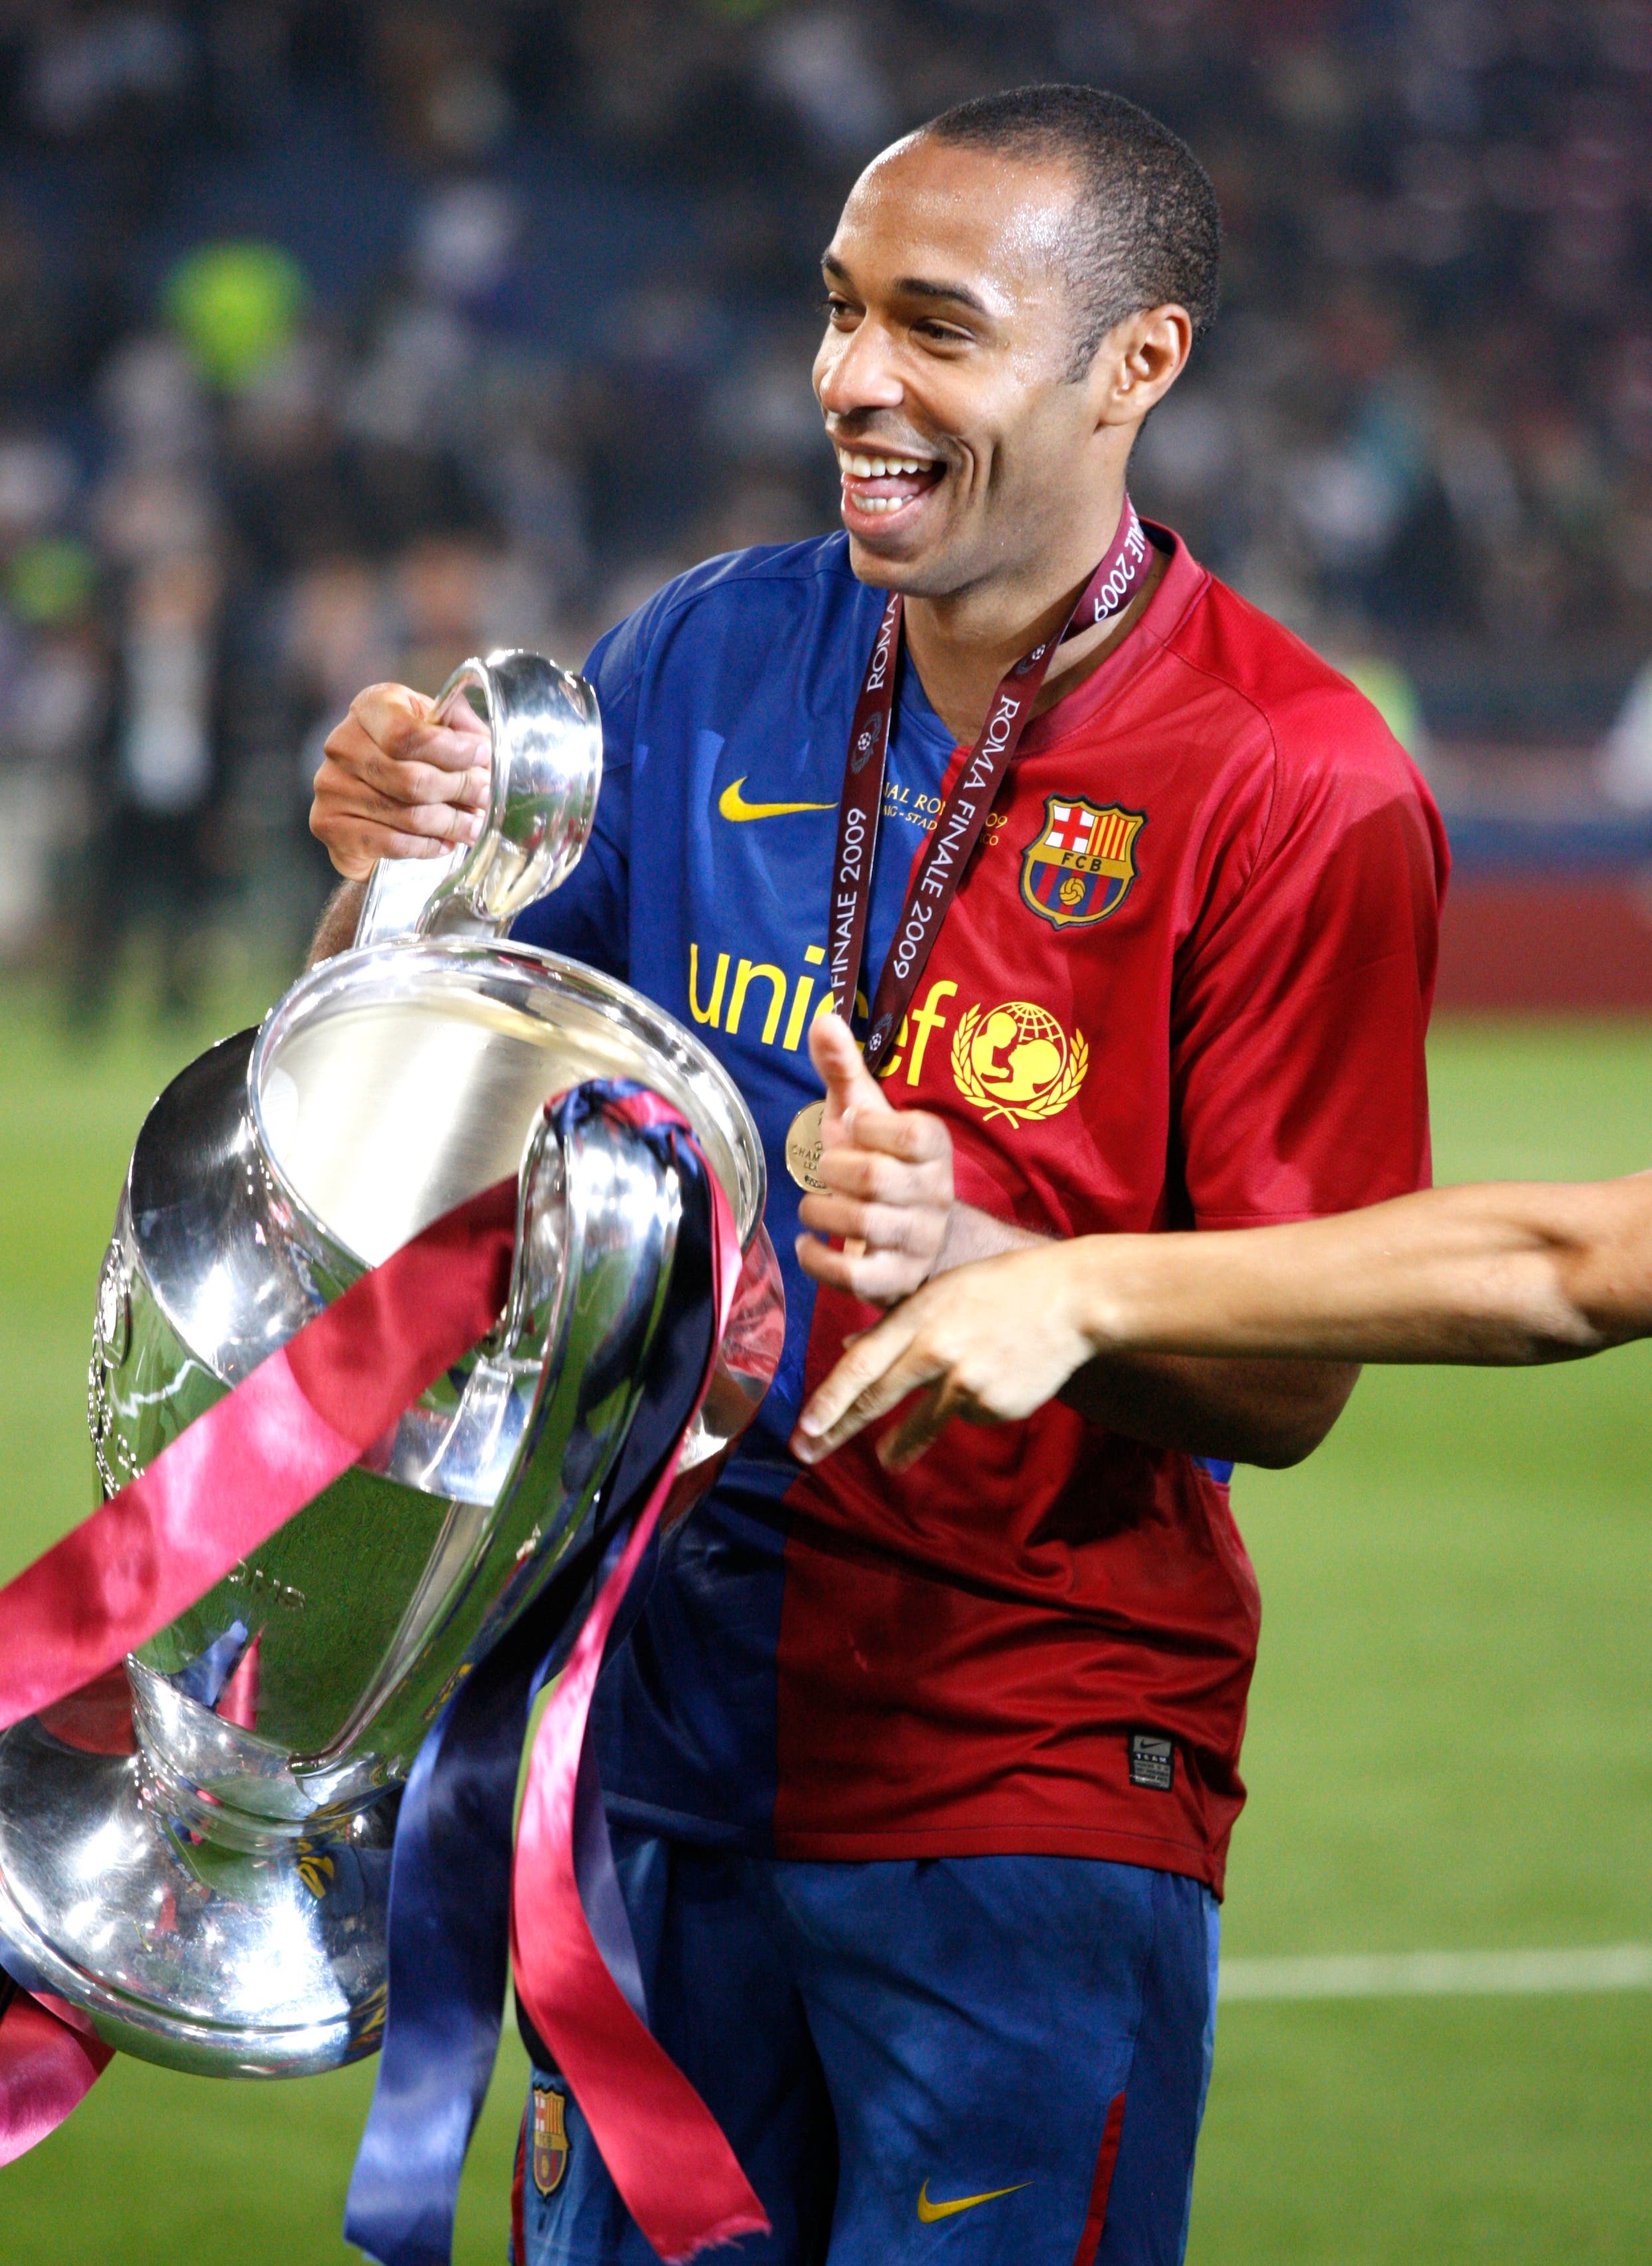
(849, 1083)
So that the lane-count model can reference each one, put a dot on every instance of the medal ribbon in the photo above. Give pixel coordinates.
(942, 862)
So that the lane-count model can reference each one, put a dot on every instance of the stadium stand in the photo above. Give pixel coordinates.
(419, 326)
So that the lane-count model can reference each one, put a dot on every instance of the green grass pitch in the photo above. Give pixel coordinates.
(1450, 1747)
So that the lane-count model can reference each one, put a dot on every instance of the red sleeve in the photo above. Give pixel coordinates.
(1301, 1003)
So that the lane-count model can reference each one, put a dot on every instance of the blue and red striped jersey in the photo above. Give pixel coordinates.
(1186, 982)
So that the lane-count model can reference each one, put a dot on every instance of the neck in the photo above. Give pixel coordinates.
(964, 644)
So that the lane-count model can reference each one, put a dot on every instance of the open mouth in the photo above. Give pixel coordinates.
(880, 488)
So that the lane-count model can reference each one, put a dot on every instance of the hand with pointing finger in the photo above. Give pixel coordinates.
(990, 1343)
(887, 1172)
(398, 780)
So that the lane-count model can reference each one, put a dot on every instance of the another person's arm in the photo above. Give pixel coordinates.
(1510, 1273)
(889, 1197)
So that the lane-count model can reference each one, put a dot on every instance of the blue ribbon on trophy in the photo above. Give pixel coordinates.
(385, 1359)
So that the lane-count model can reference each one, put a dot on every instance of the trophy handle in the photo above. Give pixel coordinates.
(596, 1235)
(746, 1359)
(545, 741)
(470, 1450)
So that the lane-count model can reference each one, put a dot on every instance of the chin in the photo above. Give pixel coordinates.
(925, 572)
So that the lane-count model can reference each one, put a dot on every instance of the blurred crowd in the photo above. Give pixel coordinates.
(340, 338)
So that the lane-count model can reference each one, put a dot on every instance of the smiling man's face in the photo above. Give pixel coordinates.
(964, 443)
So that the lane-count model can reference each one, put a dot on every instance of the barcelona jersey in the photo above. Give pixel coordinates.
(1185, 982)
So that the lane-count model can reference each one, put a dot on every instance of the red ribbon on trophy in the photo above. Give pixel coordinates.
(242, 1469)
(215, 1495)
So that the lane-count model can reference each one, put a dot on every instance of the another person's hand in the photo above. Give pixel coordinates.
(989, 1343)
(889, 1181)
(396, 781)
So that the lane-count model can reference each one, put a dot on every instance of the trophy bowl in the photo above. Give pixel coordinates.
(208, 1882)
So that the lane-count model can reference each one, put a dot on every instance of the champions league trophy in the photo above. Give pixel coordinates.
(212, 1893)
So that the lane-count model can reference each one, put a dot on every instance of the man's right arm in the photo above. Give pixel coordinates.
(340, 917)
(393, 782)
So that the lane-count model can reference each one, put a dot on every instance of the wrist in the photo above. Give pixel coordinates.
(947, 1253)
(1096, 1294)
(970, 1234)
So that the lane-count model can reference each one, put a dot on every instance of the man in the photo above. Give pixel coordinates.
(156, 765)
(921, 1790)
(1503, 1274)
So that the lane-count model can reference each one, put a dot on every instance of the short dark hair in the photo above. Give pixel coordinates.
(1149, 233)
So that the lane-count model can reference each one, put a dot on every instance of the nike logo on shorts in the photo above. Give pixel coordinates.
(929, 2212)
(732, 804)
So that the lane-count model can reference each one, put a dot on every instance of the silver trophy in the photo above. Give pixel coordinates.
(214, 1900)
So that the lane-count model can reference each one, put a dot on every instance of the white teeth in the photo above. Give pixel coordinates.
(877, 468)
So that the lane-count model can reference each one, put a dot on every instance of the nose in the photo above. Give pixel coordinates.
(855, 371)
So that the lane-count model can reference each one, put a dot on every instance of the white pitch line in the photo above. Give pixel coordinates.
(1440, 1974)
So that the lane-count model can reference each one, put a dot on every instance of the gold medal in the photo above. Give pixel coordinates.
(802, 1147)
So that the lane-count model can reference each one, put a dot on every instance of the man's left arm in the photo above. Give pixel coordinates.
(889, 1199)
(1300, 1090)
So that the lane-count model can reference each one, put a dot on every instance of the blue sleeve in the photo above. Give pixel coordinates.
(590, 916)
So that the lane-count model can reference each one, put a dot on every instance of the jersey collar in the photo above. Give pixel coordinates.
(1182, 582)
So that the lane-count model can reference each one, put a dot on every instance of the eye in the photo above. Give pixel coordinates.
(836, 308)
(945, 334)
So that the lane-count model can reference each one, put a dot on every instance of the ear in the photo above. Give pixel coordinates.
(1139, 361)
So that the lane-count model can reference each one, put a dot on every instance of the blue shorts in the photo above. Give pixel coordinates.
(969, 2058)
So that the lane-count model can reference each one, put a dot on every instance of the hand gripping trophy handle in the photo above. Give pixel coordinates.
(216, 1899)
(545, 768)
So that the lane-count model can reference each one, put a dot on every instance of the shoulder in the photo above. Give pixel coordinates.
(769, 574)
(1295, 769)
(745, 596)
(1319, 730)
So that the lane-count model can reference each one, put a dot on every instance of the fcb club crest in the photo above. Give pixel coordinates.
(550, 2138)
(1079, 865)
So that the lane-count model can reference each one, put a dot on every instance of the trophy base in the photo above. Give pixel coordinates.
(182, 1950)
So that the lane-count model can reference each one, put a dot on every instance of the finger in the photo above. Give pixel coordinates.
(355, 849)
(918, 1430)
(876, 1400)
(918, 1229)
(403, 773)
(405, 724)
(355, 839)
(445, 814)
(912, 1134)
(339, 795)
(878, 1278)
(842, 1398)
(875, 1178)
(849, 1083)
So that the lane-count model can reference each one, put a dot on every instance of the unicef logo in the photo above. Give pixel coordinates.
(1015, 1061)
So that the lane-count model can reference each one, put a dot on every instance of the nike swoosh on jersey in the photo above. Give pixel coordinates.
(929, 2212)
(731, 804)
